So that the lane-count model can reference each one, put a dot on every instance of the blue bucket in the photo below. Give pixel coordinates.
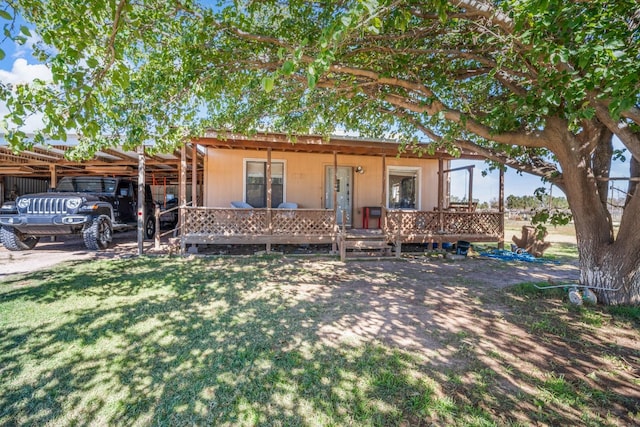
(462, 247)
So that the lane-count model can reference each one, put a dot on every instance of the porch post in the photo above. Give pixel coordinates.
(141, 201)
(501, 209)
(335, 183)
(383, 193)
(440, 194)
(54, 176)
(194, 175)
(335, 196)
(182, 191)
(470, 188)
(269, 198)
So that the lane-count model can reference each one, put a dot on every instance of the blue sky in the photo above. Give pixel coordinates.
(19, 65)
(487, 188)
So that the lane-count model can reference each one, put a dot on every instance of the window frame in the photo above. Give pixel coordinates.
(264, 161)
(417, 171)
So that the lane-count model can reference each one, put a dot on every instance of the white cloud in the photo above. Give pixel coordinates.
(23, 72)
(25, 49)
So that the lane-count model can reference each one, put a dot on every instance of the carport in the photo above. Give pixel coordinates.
(40, 167)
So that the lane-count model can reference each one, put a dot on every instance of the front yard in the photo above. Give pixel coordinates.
(295, 341)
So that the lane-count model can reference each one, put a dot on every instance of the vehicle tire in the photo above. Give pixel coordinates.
(14, 240)
(150, 227)
(98, 235)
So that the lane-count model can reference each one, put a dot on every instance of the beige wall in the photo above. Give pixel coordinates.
(305, 181)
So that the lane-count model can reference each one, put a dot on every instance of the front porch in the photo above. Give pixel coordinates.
(219, 226)
(334, 182)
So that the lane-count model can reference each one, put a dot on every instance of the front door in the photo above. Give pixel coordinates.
(344, 188)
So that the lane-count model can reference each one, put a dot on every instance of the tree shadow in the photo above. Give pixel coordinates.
(267, 340)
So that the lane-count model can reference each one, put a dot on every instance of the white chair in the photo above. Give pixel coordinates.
(241, 205)
(288, 205)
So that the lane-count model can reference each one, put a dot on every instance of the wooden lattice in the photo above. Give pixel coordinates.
(481, 223)
(416, 223)
(303, 222)
(223, 222)
(217, 225)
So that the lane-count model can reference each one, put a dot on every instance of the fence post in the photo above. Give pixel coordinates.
(156, 214)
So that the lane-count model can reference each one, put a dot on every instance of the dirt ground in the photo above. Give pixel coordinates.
(49, 253)
(453, 311)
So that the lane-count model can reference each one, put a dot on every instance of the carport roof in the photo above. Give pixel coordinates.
(38, 162)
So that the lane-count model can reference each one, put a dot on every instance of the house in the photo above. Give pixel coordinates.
(317, 190)
(349, 193)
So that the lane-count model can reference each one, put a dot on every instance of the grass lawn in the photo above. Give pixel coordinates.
(276, 341)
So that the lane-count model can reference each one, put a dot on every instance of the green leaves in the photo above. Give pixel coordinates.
(288, 68)
(267, 83)
(368, 66)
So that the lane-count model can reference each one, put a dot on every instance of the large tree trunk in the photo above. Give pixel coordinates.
(615, 277)
(610, 266)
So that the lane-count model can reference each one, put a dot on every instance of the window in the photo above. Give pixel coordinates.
(403, 188)
(256, 183)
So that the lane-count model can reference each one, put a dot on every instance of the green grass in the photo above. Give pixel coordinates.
(562, 251)
(244, 341)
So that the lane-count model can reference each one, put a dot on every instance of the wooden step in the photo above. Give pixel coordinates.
(366, 244)
(360, 243)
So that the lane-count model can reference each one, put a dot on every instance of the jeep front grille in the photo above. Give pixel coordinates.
(47, 205)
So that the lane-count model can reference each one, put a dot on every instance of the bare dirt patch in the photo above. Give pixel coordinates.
(522, 354)
(49, 253)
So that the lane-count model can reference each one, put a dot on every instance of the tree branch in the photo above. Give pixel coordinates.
(111, 48)
(628, 138)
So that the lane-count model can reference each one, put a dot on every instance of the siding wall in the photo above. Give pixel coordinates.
(305, 180)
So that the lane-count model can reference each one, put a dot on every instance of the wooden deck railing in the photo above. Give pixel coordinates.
(303, 226)
(260, 226)
(424, 226)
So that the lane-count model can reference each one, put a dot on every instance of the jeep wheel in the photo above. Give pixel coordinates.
(150, 227)
(98, 234)
(17, 241)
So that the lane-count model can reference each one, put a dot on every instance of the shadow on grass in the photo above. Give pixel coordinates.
(249, 341)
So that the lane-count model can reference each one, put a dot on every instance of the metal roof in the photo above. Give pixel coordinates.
(41, 161)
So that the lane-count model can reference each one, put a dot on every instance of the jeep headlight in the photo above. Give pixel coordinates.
(22, 203)
(74, 203)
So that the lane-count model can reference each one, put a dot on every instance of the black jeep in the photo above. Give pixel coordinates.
(93, 206)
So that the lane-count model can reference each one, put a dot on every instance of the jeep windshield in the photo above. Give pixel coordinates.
(86, 185)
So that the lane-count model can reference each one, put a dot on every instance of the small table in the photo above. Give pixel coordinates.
(371, 212)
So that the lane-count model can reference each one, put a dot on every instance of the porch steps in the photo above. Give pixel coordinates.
(361, 243)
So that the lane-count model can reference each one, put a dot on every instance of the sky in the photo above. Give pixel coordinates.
(18, 65)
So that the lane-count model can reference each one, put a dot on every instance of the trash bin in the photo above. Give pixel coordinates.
(462, 247)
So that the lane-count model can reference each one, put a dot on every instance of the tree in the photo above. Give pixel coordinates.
(537, 85)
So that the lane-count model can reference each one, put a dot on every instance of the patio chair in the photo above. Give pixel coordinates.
(288, 205)
(241, 205)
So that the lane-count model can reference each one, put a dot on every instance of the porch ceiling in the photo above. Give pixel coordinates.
(315, 144)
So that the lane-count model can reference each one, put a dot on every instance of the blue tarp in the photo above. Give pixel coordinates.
(514, 256)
